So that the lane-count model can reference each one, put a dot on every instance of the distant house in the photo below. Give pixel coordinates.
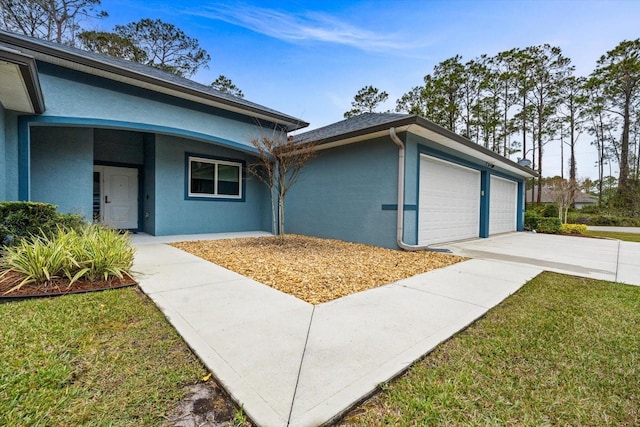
(582, 199)
(145, 150)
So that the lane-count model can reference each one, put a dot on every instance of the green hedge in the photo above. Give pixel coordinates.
(21, 220)
(602, 219)
(541, 224)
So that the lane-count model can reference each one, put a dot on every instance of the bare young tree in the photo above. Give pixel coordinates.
(564, 194)
(278, 165)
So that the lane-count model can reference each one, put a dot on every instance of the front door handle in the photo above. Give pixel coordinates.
(106, 199)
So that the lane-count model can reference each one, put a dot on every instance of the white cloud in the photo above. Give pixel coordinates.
(298, 27)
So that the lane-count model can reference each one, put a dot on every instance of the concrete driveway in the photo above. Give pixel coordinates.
(603, 259)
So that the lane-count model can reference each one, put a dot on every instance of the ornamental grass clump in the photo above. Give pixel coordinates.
(93, 253)
(104, 252)
(41, 259)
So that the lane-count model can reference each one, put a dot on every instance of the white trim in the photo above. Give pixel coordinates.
(215, 164)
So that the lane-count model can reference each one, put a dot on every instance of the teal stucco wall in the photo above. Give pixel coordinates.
(9, 173)
(62, 168)
(149, 182)
(72, 94)
(340, 194)
(174, 214)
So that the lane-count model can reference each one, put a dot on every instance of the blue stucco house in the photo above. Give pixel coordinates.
(136, 147)
(145, 150)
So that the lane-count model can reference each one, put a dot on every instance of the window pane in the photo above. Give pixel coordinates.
(202, 177)
(228, 180)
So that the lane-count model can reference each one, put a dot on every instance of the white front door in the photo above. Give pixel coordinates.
(118, 196)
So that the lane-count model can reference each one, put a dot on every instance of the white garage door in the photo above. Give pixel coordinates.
(449, 207)
(503, 201)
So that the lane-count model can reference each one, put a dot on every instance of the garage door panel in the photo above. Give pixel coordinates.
(503, 204)
(449, 207)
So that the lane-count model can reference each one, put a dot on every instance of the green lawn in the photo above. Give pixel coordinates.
(106, 358)
(628, 237)
(561, 351)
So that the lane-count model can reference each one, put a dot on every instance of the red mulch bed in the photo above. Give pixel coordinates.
(57, 286)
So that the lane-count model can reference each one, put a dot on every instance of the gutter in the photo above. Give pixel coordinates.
(400, 218)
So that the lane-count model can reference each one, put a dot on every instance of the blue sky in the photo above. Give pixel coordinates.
(308, 59)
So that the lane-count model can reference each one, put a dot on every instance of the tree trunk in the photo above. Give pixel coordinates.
(280, 214)
(572, 162)
(561, 152)
(274, 225)
(505, 123)
(539, 139)
(624, 147)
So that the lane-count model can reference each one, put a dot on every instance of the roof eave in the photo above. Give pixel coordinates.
(468, 143)
(407, 124)
(29, 74)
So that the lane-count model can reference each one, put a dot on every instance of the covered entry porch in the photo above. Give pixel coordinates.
(140, 179)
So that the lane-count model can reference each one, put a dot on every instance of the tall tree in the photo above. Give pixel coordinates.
(366, 100)
(474, 74)
(448, 81)
(499, 68)
(111, 44)
(412, 102)
(549, 69)
(573, 99)
(25, 17)
(224, 84)
(54, 20)
(600, 125)
(165, 46)
(618, 72)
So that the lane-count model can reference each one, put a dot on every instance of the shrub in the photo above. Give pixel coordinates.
(603, 219)
(550, 211)
(530, 220)
(93, 253)
(21, 220)
(70, 221)
(548, 225)
(573, 228)
(592, 209)
(541, 224)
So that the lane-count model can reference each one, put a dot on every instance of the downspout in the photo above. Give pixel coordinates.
(400, 218)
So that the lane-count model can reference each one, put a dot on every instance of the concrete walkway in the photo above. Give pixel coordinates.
(289, 363)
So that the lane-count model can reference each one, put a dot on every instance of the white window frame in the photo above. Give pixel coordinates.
(215, 164)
